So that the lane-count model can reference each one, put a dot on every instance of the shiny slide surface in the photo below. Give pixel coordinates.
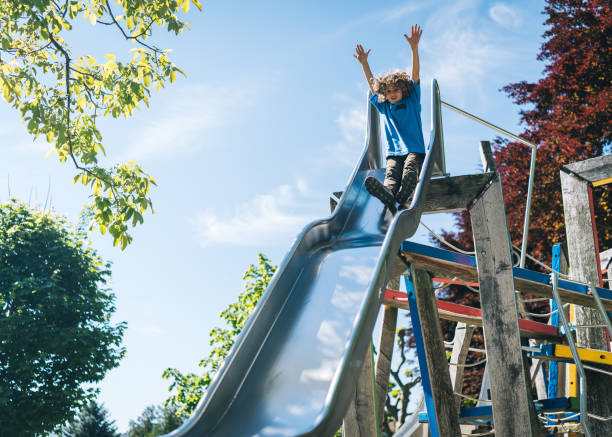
(294, 368)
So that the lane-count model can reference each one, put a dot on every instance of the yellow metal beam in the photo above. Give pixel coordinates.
(602, 182)
(572, 371)
(591, 355)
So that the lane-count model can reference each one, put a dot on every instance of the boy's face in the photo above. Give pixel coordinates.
(393, 95)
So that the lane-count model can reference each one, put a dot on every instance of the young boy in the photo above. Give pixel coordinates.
(398, 99)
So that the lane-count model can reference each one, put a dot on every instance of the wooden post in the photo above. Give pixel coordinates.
(461, 346)
(385, 352)
(360, 419)
(583, 262)
(510, 390)
(488, 164)
(486, 157)
(447, 418)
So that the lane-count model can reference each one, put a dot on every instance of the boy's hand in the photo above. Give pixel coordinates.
(415, 36)
(360, 54)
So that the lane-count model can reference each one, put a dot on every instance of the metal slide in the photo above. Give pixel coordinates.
(293, 370)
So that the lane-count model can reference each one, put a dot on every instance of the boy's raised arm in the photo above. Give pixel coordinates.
(413, 39)
(362, 56)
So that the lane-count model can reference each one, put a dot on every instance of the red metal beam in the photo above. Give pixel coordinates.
(457, 312)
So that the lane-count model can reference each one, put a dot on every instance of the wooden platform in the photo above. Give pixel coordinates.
(473, 316)
(455, 193)
(444, 263)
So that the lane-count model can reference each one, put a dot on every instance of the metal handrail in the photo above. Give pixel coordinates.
(491, 125)
(602, 310)
(534, 149)
(570, 339)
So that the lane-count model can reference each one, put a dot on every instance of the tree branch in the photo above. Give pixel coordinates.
(135, 38)
(68, 135)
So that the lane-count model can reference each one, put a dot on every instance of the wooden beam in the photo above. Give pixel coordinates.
(384, 357)
(360, 418)
(584, 266)
(486, 157)
(594, 170)
(441, 388)
(510, 391)
(461, 345)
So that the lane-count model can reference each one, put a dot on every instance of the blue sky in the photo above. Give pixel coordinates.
(247, 148)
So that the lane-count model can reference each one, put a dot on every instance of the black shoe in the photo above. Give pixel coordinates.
(404, 205)
(378, 190)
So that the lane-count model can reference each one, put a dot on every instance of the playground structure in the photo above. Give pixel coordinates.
(303, 364)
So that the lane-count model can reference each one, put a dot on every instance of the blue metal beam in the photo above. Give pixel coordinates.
(420, 347)
(485, 413)
(553, 367)
(470, 261)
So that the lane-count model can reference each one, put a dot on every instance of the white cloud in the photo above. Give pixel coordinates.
(271, 218)
(192, 113)
(462, 54)
(352, 123)
(505, 16)
(397, 13)
(379, 17)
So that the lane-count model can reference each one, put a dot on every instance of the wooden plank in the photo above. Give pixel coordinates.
(473, 316)
(583, 256)
(384, 356)
(592, 170)
(447, 194)
(441, 387)
(486, 157)
(461, 345)
(444, 263)
(510, 391)
(454, 193)
(360, 418)
(455, 282)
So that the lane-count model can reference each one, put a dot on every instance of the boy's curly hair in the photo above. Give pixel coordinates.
(395, 79)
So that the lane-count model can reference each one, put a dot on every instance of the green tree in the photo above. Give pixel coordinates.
(155, 421)
(92, 421)
(189, 388)
(56, 337)
(61, 95)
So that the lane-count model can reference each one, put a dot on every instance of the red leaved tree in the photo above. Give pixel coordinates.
(568, 114)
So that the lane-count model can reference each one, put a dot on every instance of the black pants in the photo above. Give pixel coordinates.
(402, 175)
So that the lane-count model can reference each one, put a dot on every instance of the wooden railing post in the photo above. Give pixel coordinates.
(360, 418)
(385, 352)
(510, 391)
(583, 266)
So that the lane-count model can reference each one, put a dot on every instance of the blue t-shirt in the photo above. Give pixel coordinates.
(403, 126)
